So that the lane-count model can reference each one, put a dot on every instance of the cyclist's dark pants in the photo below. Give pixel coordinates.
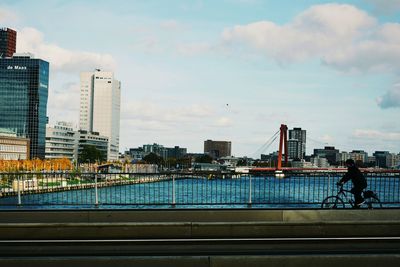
(357, 194)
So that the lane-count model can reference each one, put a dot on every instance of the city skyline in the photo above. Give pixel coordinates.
(232, 70)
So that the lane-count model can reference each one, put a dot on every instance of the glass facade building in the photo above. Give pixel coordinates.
(23, 99)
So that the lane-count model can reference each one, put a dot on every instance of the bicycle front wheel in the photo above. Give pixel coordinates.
(373, 202)
(332, 202)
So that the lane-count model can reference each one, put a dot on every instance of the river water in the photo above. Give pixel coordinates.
(199, 192)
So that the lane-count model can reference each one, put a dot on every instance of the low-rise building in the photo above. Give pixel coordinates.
(393, 160)
(207, 167)
(13, 147)
(164, 152)
(302, 164)
(61, 141)
(229, 161)
(359, 155)
(320, 162)
(100, 142)
(330, 153)
(24, 185)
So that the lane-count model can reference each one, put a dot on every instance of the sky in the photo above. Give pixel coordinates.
(193, 70)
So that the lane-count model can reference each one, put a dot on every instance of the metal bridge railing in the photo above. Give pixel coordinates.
(123, 190)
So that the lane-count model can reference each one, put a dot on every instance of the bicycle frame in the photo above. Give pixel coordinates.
(344, 197)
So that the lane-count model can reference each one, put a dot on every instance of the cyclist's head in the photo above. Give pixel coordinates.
(350, 162)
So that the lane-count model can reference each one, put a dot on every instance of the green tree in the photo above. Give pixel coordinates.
(241, 162)
(90, 153)
(153, 158)
(203, 159)
(171, 162)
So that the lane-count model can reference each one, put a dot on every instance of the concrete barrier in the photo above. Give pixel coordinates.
(239, 215)
(209, 238)
(198, 224)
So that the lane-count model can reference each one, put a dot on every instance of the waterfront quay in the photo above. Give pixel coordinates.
(56, 182)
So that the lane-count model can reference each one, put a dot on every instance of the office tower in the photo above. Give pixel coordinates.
(100, 107)
(8, 42)
(217, 149)
(294, 149)
(330, 153)
(381, 158)
(24, 84)
(359, 156)
(299, 135)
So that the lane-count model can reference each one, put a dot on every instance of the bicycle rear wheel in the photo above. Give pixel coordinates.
(373, 202)
(332, 202)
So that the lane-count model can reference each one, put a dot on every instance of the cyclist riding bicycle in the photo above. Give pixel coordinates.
(358, 180)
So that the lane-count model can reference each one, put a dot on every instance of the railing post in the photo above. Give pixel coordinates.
(173, 191)
(19, 191)
(96, 191)
(329, 185)
(250, 191)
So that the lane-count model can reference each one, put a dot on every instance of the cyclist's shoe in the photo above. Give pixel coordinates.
(359, 204)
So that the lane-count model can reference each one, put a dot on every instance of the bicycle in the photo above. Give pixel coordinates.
(344, 197)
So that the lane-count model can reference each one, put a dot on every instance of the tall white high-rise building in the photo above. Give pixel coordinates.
(100, 107)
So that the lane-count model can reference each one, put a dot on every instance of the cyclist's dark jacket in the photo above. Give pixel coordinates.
(356, 177)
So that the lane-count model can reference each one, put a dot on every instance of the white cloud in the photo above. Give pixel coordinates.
(61, 59)
(150, 112)
(327, 139)
(7, 17)
(341, 36)
(223, 122)
(377, 135)
(149, 45)
(63, 104)
(324, 31)
(391, 98)
(172, 25)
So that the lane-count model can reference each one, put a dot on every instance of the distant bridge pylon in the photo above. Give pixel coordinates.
(282, 143)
